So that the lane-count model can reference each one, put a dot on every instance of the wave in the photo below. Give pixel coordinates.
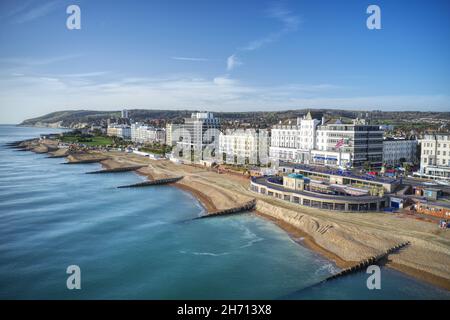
(205, 253)
(327, 269)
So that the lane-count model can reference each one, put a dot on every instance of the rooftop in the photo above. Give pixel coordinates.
(337, 172)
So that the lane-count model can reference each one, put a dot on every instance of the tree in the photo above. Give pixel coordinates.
(367, 166)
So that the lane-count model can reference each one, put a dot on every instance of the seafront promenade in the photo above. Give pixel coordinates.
(344, 237)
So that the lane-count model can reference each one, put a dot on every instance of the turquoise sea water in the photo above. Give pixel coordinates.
(142, 244)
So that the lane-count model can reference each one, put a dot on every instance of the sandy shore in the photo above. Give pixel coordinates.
(344, 238)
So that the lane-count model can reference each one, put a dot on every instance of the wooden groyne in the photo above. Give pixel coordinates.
(153, 182)
(363, 264)
(86, 161)
(18, 144)
(19, 147)
(248, 206)
(114, 170)
(58, 156)
(367, 262)
(13, 144)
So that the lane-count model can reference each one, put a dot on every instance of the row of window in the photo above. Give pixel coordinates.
(431, 144)
(430, 152)
(442, 162)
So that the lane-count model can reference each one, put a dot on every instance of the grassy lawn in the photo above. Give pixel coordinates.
(89, 141)
(156, 150)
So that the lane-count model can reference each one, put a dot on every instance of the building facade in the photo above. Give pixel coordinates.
(199, 136)
(396, 151)
(311, 141)
(435, 156)
(147, 134)
(240, 146)
(171, 129)
(294, 142)
(119, 130)
(283, 146)
(349, 145)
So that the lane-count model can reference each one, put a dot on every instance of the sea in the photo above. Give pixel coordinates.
(143, 243)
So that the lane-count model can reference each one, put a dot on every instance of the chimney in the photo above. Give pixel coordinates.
(323, 120)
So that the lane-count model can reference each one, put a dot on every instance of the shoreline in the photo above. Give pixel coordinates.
(206, 199)
(305, 240)
(309, 243)
(420, 275)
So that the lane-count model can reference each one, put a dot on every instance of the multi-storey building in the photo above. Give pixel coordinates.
(240, 146)
(119, 130)
(348, 145)
(435, 156)
(294, 142)
(199, 136)
(306, 141)
(283, 142)
(147, 134)
(171, 129)
(334, 144)
(396, 151)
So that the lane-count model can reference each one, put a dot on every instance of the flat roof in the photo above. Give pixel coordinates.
(336, 172)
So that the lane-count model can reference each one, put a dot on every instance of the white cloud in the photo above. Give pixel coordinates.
(224, 81)
(35, 95)
(232, 62)
(289, 21)
(189, 59)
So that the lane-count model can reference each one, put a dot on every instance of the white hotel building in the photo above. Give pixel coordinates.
(294, 142)
(147, 134)
(240, 146)
(435, 156)
(311, 143)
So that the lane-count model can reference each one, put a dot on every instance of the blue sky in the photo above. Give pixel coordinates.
(222, 56)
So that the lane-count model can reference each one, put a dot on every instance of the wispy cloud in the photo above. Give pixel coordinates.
(17, 9)
(85, 75)
(33, 61)
(189, 59)
(27, 12)
(232, 62)
(277, 11)
(289, 21)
